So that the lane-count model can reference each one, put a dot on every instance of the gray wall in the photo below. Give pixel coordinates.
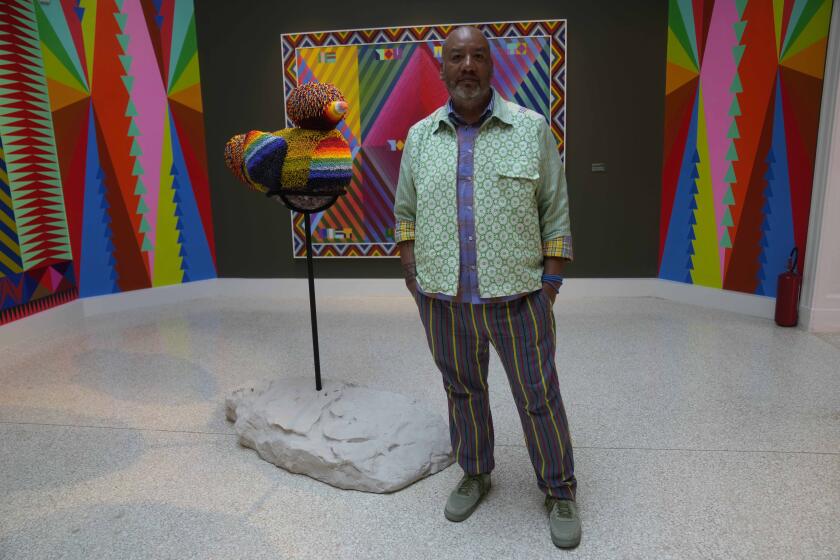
(616, 82)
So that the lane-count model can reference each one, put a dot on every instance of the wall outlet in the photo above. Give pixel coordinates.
(599, 168)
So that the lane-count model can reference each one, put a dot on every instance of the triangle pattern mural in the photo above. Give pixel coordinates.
(743, 90)
(104, 173)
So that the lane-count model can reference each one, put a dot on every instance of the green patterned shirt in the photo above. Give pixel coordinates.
(520, 201)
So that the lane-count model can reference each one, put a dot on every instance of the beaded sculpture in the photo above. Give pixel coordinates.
(313, 157)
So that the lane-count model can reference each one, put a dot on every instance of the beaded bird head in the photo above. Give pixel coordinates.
(314, 157)
(235, 155)
(316, 106)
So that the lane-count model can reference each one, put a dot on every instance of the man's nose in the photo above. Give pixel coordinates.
(468, 62)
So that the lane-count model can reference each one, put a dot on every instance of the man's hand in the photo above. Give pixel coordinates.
(411, 285)
(550, 292)
(554, 266)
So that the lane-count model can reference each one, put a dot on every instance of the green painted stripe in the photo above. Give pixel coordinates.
(181, 18)
(729, 198)
(383, 76)
(736, 86)
(816, 9)
(739, 29)
(735, 108)
(124, 41)
(188, 49)
(54, 32)
(125, 60)
(677, 24)
(738, 53)
(121, 19)
(687, 11)
(732, 153)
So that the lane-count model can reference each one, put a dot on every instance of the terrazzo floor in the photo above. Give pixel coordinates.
(697, 433)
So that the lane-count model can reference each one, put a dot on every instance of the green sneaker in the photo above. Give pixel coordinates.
(564, 521)
(466, 496)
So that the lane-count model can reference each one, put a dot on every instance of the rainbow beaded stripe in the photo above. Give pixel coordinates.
(316, 159)
(264, 155)
(292, 158)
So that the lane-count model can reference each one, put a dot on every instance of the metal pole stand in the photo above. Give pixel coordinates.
(312, 312)
(308, 202)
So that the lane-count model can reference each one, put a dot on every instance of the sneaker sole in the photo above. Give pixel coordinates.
(565, 544)
(457, 518)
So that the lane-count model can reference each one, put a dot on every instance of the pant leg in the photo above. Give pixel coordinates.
(523, 333)
(461, 352)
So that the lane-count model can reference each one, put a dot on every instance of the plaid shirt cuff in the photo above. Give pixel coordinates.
(404, 231)
(559, 247)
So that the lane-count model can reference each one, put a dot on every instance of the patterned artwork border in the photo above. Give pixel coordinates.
(554, 29)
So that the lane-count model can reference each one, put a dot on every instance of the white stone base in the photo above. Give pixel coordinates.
(348, 436)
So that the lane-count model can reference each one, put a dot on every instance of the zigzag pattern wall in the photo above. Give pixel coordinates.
(743, 89)
(104, 177)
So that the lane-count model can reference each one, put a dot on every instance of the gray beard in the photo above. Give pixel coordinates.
(466, 94)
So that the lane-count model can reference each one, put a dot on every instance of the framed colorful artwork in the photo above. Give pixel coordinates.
(390, 77)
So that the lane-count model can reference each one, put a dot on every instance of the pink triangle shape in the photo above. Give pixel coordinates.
(55, 278)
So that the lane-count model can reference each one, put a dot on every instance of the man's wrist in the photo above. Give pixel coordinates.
(553, 281)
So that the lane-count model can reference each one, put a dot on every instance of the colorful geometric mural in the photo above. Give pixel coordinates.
(743, 89)
(36, 269)
(391, 80)
(105, 96)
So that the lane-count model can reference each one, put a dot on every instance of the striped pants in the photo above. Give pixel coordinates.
(523, 333)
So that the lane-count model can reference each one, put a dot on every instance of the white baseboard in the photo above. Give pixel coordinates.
(819, 319)
(299, 287)
(573, 288)
(395, 287)
(37, 325)
(162, 295)
(726, 300)
(69, 315)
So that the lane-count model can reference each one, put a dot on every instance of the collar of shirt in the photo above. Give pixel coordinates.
(458, 121)
(497, 108)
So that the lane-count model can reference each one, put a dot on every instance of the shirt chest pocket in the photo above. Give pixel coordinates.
(517, 178)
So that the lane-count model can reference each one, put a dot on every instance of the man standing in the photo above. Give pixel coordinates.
(481, 205)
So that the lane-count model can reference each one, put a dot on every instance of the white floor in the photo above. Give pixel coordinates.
(698, 434)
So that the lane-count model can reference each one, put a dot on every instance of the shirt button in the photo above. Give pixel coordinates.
(472, 268)
(470, 238)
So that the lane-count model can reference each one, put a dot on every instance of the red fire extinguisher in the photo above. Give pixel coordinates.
(787, 293)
